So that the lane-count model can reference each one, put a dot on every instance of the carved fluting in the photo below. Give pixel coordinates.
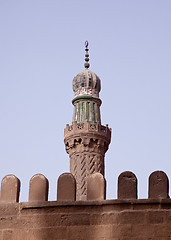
(82, 165)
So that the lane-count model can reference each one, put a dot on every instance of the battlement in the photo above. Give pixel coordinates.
(158, 187)
(124, 218)
(85, 128)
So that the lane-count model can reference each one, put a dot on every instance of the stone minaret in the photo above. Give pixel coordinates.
(86, 140)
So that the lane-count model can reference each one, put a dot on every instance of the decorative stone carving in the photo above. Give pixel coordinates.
(81, 166)
(86, 149)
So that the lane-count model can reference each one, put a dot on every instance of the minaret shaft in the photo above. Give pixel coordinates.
(86, 144)
(82, 164)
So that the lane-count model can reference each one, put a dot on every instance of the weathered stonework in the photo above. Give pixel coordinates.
(125, 218)
(86, 144)
(147, 219)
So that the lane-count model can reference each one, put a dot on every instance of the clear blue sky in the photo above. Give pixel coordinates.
(42, 49)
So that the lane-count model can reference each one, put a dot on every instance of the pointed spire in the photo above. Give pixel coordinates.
(86, 64)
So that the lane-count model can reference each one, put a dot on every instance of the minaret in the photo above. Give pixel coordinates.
(86, 140)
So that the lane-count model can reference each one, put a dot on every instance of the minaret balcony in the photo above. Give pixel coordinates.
(89, 129)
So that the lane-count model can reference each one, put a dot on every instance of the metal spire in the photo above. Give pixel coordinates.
(86, 64)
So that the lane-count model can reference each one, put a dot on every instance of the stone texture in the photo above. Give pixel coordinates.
(10, 189)
(90, 220)
(127, 186)
(86, 143)
(158, 185)
(87, 220)
(96, 187)
(8, 209)
(66, 187)
(38, 188)
(82, 165)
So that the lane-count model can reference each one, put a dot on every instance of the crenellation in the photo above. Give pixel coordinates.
(158, 185)
(127, 185)
(10, 189)
(38, 188)
(95, 184)
(66, 187)
(96, 187)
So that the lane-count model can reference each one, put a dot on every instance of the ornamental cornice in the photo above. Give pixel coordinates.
(87, 137)
(86, 145)
(89, 129)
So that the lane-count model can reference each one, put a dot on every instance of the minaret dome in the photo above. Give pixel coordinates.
(86, 83)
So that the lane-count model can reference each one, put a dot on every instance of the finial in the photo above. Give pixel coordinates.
(86, 64)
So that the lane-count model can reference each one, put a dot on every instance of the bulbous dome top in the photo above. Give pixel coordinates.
(87, 83)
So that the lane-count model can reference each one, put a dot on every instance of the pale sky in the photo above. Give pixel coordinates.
(42, 49)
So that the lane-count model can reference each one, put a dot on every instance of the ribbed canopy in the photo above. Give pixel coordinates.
(86, 83)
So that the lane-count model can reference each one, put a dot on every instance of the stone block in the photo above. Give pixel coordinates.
(163, 231)
(122, 231)
(103, 218)
(52, 220)
(10, 189)
(145, 230)
(38, 188)
(9, 209)
(90, 233)
(66, 187)
(17, 234)
(96, 187)
(156, 216)
(158, 185)
(132, 217)
(14, 222)
(127, 186)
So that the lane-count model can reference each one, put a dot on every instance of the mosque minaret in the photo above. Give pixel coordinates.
(86, 140)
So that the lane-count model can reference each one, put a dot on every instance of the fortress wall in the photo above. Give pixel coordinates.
(90, 220)
(126, 218)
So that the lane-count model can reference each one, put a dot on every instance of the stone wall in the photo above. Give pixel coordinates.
(126, 218)
(88, 220)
